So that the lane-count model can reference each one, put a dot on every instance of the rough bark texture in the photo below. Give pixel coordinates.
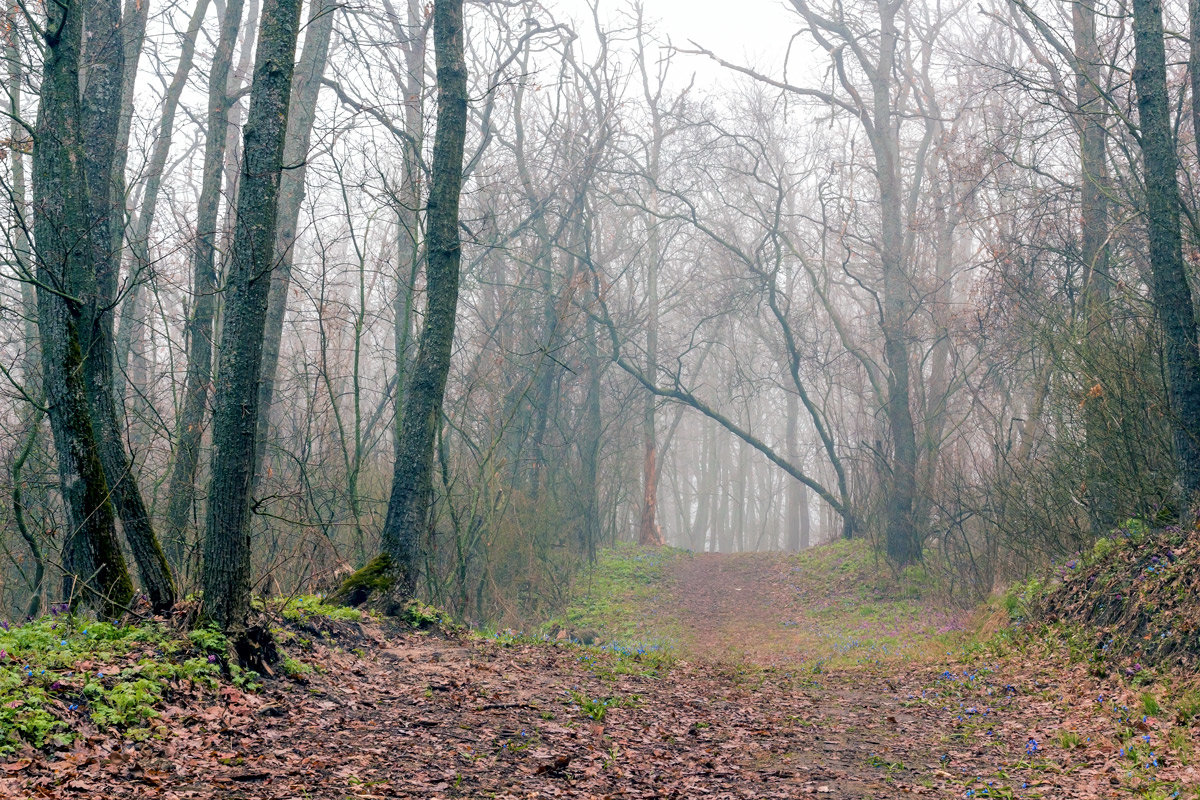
(227, 541)
(1171, 293)
(412, 482)
(589, 446)
(19, 226)
(101, 111)
(66, 290)
(408, 206)
(796, 521)
(1193, 63)
(649, 533)
(130, 331)
(306, 85)
(181, 493)
(133, 37)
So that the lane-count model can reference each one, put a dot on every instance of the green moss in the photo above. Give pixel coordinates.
(44, 694)
(308, 607)
(372, 580)
(422, 615)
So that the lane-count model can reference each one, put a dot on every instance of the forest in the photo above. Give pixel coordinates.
(398, 331)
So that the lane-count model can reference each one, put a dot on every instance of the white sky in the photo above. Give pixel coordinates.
(750, 32)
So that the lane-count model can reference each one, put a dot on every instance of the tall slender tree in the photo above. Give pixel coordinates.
(412, 481)
(101, 109)
(67, 293)
(227, 578)
(1169, 285)
(189, 426)
(310, 68)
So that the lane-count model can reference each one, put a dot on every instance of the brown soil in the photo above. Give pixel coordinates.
(424, 716)
(736, 608)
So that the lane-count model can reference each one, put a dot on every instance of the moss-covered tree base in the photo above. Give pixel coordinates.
(373, 582)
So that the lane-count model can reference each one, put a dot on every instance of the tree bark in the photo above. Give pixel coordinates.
(796, 521)
(408, 208)
(1093, 251)
(306, 85)
(649, 533)
(131, 327)
(412, 484)
(189, 426)
(903, 540)
(227, 579)
(66, 292)
(31, 373)
(589, 447)
(1171, 292)
(101, 125)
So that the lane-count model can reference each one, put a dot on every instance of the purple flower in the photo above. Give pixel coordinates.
(212, 659)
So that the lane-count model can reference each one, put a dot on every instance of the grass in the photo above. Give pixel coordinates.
(597, 708)
(619, 598)
(1068, 740)
(853, 610)
(62, 674)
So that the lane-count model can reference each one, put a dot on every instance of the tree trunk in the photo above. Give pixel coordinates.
(903, 540)
(1094, 188)
(593, 434)
(649, 534)
(408, 209)
(19, 141)
(22, 261)
(66, 291)
(306, 85)
(705, 489)
(132, 325)
(227, 579)
(412, 483)
(1171, 293)
(101, 125)
(796, 520)
(189, 426)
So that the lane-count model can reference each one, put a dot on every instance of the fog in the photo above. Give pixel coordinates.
(731, 279)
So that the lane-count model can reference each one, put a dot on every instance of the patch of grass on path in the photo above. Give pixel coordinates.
(849, 608)
(623, 598)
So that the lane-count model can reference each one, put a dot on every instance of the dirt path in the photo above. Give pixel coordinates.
(736, 607)
(746, 714)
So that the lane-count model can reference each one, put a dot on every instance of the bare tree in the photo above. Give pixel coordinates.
(67, 296)
(189, 426)
(1172, 294)
(227, 574)
(413, 478)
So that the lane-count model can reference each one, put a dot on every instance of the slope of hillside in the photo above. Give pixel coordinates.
(1139, 593)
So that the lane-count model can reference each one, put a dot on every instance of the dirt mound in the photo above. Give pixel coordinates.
(1139, 591)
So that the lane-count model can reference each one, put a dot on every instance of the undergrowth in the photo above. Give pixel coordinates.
(853, 609)
(1137, 591)
(63, 676)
